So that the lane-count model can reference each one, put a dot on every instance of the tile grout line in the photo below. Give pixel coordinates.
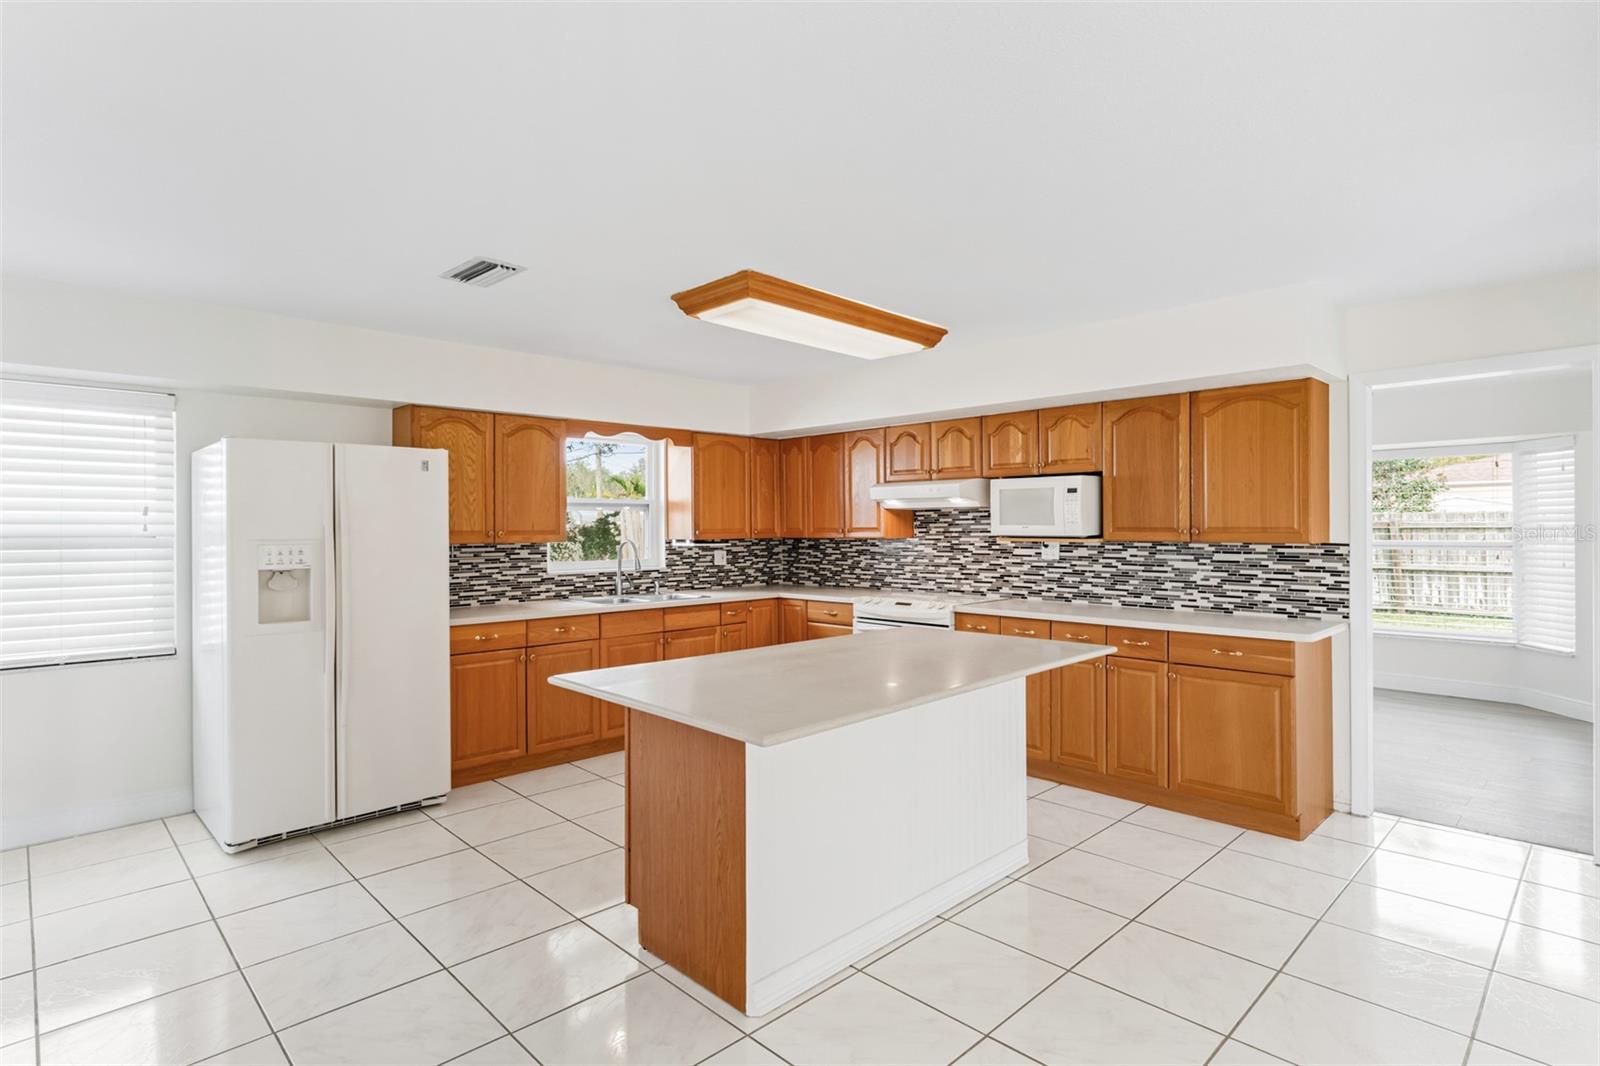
(1494, 963)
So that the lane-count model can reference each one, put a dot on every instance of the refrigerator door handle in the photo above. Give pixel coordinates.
(332, 668)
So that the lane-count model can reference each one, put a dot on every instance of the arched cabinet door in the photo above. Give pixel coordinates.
(468, 437)
(907, 454)
(1069, 439)
(530, 479)
(721, 487)
(958, 448)
(1145, 491)
(1259, 458)
(1011, 444)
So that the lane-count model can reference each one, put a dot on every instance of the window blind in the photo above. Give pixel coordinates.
(1545, 538)
(86, 524)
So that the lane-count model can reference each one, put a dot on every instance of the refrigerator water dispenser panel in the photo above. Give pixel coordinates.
(283, 582)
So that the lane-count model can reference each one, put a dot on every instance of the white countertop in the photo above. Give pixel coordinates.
(1215, 623)
(565, 608)
(767, 696)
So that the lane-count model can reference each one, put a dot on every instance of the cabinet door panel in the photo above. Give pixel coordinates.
(1136, 720)
(791, 620)
(863, 466)
(530, 493)
(1011, 444)
(1069, 439)
(792, 464)
(763, 623)
(487, 694)
(721, 487)
(957, 448)
(1145, 490)
(469, 438)
(1039, 690)
(1078, 721)
(907, 452)
(1232, 736)
(1260, 463)
(733, 638)
(558, 717)
(624, 651)
(766, 496)
(687, 643)
(825, 485)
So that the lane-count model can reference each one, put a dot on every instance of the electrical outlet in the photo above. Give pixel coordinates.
(1050, 552)
(719, 557)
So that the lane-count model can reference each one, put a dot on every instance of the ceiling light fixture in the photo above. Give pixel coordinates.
(761, 303)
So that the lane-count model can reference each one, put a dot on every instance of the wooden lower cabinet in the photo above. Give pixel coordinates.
(558, 717)
(687, 643)
(1078, 716)
(1136, 720)
(625, 651)
(763, 623)
(1231, 736)
(487, 723)
(791, 621)
(734, 637)
(1040, 687)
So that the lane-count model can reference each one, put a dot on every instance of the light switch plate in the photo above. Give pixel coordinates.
(1050, 552)
(719, 557)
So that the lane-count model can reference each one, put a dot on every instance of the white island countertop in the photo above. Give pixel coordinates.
(767, 696)
(1212, 623)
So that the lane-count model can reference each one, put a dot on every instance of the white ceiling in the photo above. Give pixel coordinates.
(1000, 170)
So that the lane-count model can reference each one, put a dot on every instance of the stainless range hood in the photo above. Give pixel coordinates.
(967, 494)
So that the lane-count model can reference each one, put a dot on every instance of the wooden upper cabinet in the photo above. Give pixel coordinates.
(1069, 439)
(1259, 461)
(825, 485)
(1145, 490)
(794, 506)
(721, 487)
(469, 438)
(766, 488)
(1011, 444)
(530, 463)
(957, 448)
(907, 452)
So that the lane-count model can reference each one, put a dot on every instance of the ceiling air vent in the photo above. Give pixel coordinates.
(481, 272)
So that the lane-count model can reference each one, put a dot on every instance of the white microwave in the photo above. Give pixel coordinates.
(1063, 506)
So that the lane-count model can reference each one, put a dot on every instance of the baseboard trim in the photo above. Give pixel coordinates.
(1478, 690)
(17, 831)
(783, 984)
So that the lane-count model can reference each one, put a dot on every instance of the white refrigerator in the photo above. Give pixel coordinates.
(321, 634)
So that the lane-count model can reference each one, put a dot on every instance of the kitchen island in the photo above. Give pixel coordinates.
(791, 809)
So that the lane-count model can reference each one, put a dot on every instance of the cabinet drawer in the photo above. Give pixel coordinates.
(833, 614)
(1234, 653)
(1025, 627)
(488, 637)
(977, 623)
(1138, 643)
(630, 623)
(734, 613)
(561, 630)
(818, 630)
(694, 617)
(1081, 634)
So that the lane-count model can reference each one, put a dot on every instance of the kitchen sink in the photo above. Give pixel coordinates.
(640, 597)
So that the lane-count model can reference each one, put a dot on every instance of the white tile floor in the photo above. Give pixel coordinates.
(490, 930)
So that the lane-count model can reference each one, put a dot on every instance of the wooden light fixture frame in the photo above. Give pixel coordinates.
(753, 285)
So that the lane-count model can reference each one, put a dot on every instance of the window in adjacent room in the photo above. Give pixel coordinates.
(87, 482)
(614, 493)
(1477, 543)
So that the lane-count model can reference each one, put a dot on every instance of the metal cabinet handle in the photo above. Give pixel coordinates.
(831, 614)
(491, 636)
(1026, 632)
(1219, 651)
(524, 658)
(731, 613)
(1137, 643)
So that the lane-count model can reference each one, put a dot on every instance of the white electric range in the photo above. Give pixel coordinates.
(929, 610)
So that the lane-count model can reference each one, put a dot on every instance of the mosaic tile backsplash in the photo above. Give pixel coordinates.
(953, 551)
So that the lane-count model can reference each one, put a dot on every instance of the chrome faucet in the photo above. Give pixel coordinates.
(636, 564)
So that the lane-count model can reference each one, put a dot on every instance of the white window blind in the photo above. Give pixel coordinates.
(1545, 538)
(86, 524)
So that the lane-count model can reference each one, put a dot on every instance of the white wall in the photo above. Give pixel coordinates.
(51, 328)
(98, 745)
(1264, 336)
(1522, 405)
